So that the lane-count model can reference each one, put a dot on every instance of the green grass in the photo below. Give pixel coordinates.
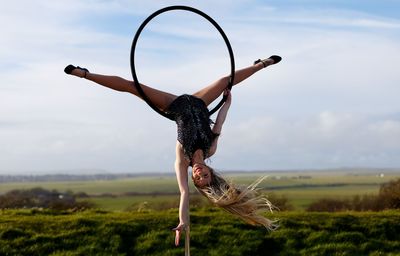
(213, 232)
(146, 229)
(143, 202)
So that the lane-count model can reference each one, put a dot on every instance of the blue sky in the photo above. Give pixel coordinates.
(332, 102)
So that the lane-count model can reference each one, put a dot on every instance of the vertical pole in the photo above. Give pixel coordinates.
(187, 231)
(187, 241)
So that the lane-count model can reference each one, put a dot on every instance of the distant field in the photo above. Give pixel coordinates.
(301, 188)
(118, 186)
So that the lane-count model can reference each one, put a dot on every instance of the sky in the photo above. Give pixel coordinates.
(332, 102)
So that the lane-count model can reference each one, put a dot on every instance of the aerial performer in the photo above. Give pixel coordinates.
(197, 141)
(198, 136)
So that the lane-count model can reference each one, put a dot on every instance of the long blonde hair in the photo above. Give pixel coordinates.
(244, 202)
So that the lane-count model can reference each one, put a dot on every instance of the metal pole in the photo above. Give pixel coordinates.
(187, 241)
(187, 233)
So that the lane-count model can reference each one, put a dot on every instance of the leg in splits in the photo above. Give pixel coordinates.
(214, 90)
(160, 98)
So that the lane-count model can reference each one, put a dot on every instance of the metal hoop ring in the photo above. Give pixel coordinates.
(135, 40)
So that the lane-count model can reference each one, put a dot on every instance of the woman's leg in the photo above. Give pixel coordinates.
(161, 99)
(214, 90)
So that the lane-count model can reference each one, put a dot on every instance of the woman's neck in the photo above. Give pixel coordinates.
(198, 157)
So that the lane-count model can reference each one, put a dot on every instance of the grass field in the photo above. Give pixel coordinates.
(126, 223)
(301, 188)
(213, 232)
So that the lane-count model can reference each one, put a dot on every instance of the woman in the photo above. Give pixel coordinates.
(197, 141)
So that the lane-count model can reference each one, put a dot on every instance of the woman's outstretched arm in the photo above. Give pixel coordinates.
(221, 117)
(181, 170)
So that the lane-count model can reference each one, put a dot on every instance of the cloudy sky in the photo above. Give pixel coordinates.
(332, 102)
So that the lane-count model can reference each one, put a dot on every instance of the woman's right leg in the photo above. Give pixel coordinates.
(160, 98)
(214, 90)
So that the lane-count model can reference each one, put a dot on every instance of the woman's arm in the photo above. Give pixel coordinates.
(181, 170)
(223, 112)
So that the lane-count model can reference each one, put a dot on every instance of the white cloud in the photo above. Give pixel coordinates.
(328, 104)
(328, 139)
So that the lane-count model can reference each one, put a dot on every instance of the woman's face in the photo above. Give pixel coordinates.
(201, 175)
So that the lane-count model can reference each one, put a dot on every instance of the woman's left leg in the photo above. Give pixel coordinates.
(160, 98)
(214, 90)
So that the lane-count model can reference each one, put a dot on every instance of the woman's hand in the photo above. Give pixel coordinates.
(228, 95)
(222, 113)
(178, 230)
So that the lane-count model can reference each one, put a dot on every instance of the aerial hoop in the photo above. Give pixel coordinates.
(135, 40)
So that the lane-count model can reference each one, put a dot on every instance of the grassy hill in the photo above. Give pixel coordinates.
(213, 232)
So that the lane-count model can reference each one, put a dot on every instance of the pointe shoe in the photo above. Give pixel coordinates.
(68, 69)
(275, 58)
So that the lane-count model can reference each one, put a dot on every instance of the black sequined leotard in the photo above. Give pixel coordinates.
(193, 123)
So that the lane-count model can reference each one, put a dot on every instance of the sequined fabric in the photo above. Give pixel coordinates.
(193, 124)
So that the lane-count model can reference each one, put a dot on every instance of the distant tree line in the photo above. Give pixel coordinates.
(42, 198)
(71, 177)
(387, 198)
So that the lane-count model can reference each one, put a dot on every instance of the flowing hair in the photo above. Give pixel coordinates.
(244, 202)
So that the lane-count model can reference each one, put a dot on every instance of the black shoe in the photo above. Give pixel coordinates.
(275, 58)
(68, 69)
